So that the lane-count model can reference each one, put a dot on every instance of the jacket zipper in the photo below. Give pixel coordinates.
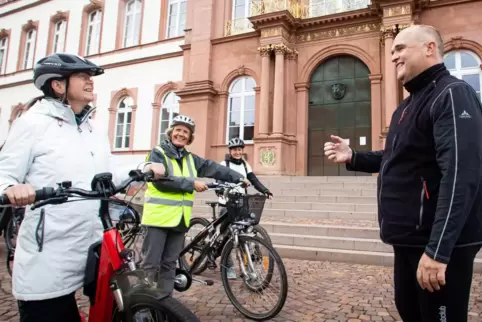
(381, 182)
(423, 194)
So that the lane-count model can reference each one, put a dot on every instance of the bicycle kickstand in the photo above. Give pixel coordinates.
(203, 282)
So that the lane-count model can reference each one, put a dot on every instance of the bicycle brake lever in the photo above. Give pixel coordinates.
(51, 201)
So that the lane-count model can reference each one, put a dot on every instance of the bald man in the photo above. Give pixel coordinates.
(429, 182)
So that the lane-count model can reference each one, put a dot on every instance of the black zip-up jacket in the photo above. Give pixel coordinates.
(430, 172)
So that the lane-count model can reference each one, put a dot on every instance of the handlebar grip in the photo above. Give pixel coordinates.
(41, 194)
(212, 185)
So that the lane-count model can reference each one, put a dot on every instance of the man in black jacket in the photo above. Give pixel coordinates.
(429, 182)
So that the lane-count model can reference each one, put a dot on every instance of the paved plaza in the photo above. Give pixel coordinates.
(318, 291)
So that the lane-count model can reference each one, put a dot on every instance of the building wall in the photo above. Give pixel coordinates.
(278, 49)
(140, 69)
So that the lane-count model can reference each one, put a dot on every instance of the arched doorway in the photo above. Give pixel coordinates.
(339, 104)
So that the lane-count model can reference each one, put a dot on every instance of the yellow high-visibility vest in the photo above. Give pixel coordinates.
(166, 209)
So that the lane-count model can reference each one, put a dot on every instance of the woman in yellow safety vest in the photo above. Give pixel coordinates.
(168, 204)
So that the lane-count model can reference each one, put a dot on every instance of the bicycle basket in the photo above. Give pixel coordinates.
(246, 208)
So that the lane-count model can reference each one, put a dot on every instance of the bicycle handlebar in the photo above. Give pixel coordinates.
(102, 187)
(225, 187)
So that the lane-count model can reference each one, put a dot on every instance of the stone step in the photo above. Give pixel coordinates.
(327, 230)
(312, 179)
(318, 185)
(332, 242)
(307, 206)
(345, 256)
(322, 214)
(360, 200)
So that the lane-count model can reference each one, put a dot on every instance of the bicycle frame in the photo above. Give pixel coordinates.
(110, 261)
(201, 235)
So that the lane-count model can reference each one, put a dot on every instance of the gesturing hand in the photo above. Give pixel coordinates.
(338, 151)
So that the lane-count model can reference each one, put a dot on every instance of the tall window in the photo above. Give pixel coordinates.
(132, 23)
(465, 65)
(169, 109)
(176, 21)
(93, 33)
(241, 109)
(123, 123)
(59, 36)
(28, 53)
(328, 7)
(3, 54)
(241, 12)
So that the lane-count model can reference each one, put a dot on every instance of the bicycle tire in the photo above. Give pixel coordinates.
(10, 258)
(204, 264)
(264, 234)
(170, 305)
(284, 279)
(7, 235)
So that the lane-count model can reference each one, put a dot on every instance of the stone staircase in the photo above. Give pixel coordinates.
(322, 218)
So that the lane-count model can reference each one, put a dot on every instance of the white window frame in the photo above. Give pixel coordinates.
(28, 51)
(171, 107)
(177, 30)
(131, 36)
(459, 71)
(247, 9)
(92, 36)
(126, 110)
(58, 40)
(243, 94)
(3, 57)
(341, 6)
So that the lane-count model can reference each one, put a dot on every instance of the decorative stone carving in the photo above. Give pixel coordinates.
(29, 26)
(280, 49)
(94, 5)
(397, 11)
(58, 16)
(271, 32)
(267, 156)
(241, 70)
(4, 33)
(265, 50)
(338, 32)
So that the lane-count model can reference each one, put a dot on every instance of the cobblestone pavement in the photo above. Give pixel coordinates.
(318, 291)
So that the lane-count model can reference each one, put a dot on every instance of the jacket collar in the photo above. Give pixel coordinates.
(428, 76)
(172, 151)
(56, 109)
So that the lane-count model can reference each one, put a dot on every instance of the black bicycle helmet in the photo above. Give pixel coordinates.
(60, 66)
(235, 142)
(184, 120)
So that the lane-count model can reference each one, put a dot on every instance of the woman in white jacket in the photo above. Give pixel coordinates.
(55, 141)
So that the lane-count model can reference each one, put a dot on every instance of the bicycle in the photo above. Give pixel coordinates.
(258, 230)
(110, 267)
(127, 223)
(233, 230)
(10, 222)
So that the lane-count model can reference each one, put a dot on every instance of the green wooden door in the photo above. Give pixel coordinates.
(339, 104)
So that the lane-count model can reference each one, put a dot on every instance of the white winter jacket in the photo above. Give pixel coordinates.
(45, 146)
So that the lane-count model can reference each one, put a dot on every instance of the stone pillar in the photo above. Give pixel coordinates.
(390, 80)
(377, 123)
(221, 129)
(264, 95)
(279, 80)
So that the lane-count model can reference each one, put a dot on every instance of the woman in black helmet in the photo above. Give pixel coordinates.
(54, 141)
(234, 160)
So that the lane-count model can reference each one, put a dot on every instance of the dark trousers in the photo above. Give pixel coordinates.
(450, 303)
(60, 309)
(161, 250)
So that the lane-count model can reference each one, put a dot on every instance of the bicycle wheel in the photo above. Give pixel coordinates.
(9, 261)
(265, 283)
(144, 305)
(188, 259)
(261, 232)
